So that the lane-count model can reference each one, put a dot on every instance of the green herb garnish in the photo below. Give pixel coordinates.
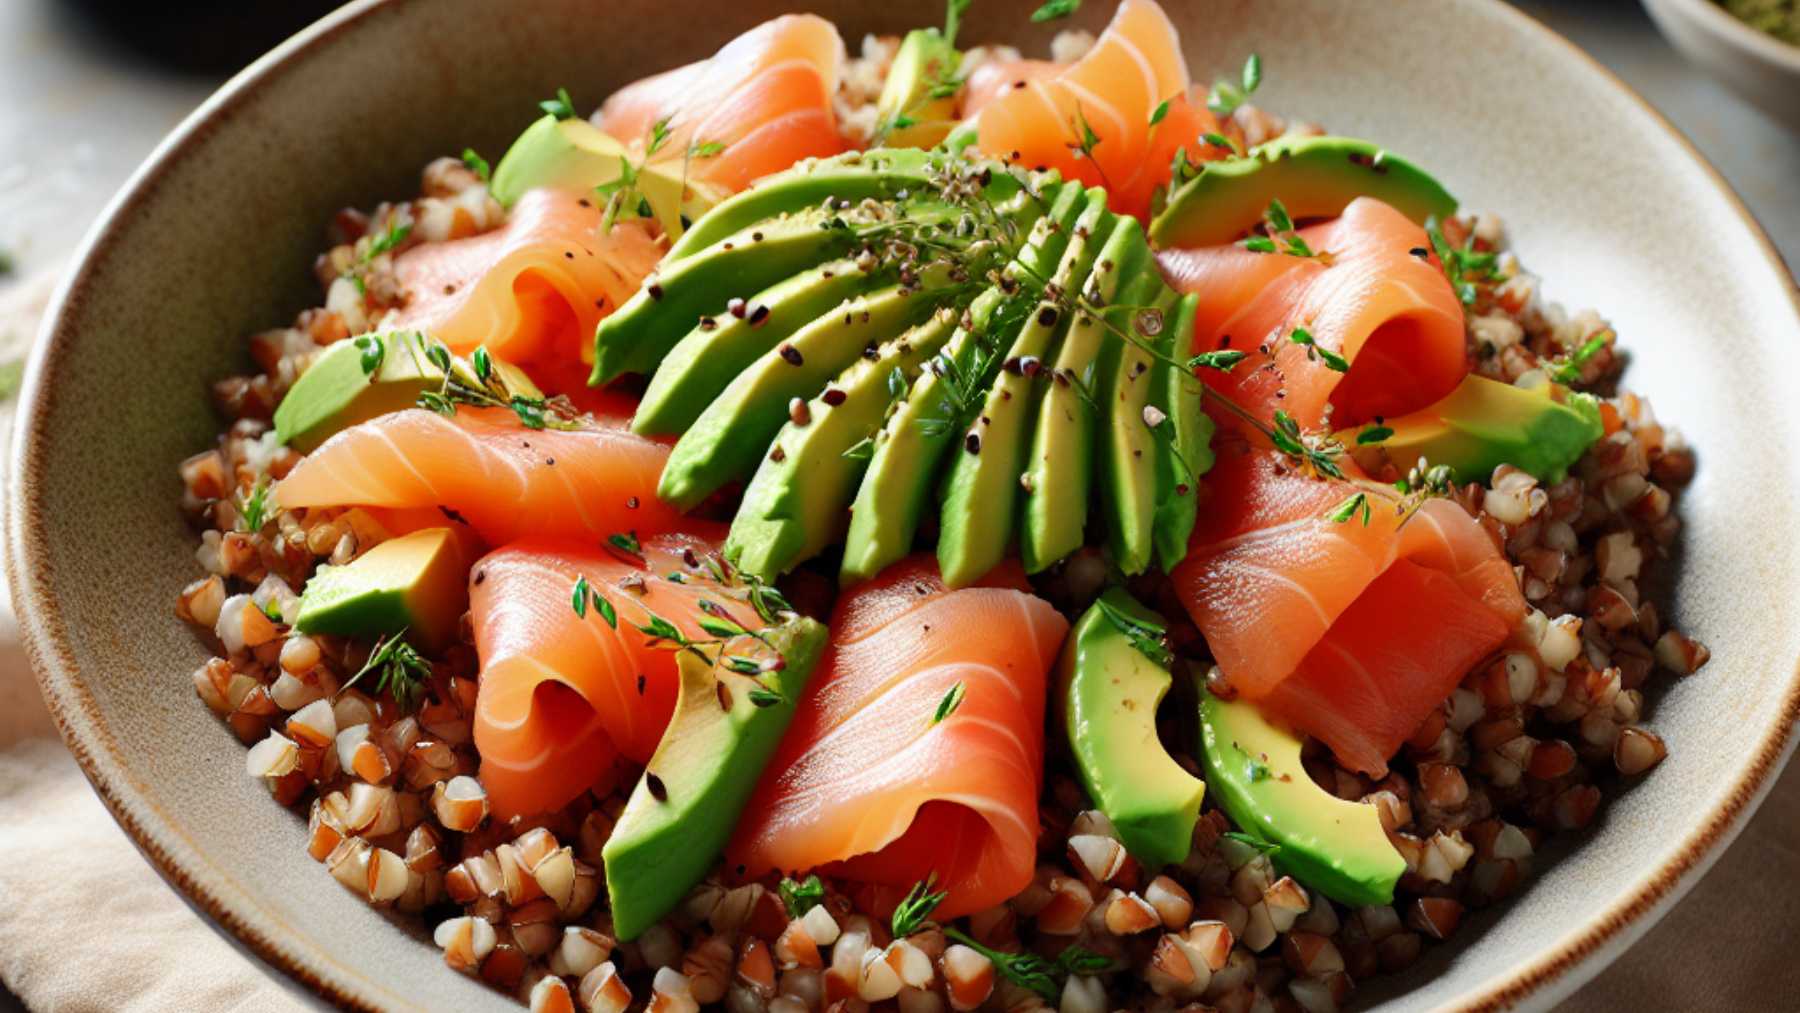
(1028, 970)
(1374, 434)
(1227, 96)
(801, 897)
(916, 907)
(1256, 844)
(253, 508)
(1053, 10)
(1222, 360)
(401, 671)
(1568, 370)
(1148, 638)
(1332, 360)
(561, 107)
(476, 164)
(1357, 503)
(948, 705)
(626, 542)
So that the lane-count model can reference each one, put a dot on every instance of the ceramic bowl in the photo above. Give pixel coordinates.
(213, 239)
(1758, 66)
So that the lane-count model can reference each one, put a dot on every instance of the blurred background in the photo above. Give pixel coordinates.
(89, 87)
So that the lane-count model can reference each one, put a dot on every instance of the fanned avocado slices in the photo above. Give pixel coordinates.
(982, 488)
(861, 331)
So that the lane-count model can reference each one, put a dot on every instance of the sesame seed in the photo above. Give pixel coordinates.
(759, 316)
(972, 443)
(658, 790)
(736, 308)
(655, 291)
(834, 397)
(791, 354)
(1047, 317)
(798, 413)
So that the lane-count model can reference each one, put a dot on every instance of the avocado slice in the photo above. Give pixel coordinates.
(687, 803)
(702, 364)
(417, 582)
(918, 431)
(1183, 443)
(1334, 846)
(1110, 689)
(734, 431)
(909, 112)
(636, 337)
(1314, 177)
(848, 179)
(1128, 447)
(574, 154)
(1059, 475)
(795, 505)
(1483, 424)
(982, 489)
(337, 391)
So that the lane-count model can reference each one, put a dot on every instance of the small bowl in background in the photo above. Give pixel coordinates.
(1756, 65)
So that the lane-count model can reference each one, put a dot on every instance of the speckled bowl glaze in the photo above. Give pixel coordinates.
(213, 239)
(1760, 67)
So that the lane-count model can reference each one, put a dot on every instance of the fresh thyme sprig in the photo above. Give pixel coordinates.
(1150, 640)
(914, 910)
(478, 385)
(562, 107)
(476, 164)
(1227, 96)
(401, 671)
(1028, 970)
(800, 897)
(253, 507)
(948, 705)
(1466, 267)
(1280, 236)
(1053, 10)
(1567, 369)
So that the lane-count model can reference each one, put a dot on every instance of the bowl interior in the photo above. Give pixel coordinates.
(214, 240)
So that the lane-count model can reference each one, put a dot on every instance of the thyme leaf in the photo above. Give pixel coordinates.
(1053, 10)
(916, 907)
(801, 897)
(948, 705)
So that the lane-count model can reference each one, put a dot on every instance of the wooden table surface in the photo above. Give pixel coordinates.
(77, 115)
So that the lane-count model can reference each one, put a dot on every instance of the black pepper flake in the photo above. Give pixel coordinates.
(480, 575)
(449, 289)
(726, 247)
(688, 557)
(550, 462)
(708, 324)
(584, 203)
(631, 503)
(870, 352)
(655, 291)
(658, 790)
(736, 308)
(778, 455)
(828, 273)
(453, 515)
(756, 237)
(1047, 317)
(833, 396)
(642, 683)
(569, 254)
(1420, 252)
(759, 316)
(972, 443)
(922, 588)
(791, 355)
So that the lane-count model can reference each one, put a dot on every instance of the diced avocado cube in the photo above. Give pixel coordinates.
(417, 582)
(1110, 689)
(914, 111)
(1335, 846)
(336, 392)
(725, 728)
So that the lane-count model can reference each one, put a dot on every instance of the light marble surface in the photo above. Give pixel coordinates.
(76, 117)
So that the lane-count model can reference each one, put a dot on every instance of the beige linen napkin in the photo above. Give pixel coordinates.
(85, 924)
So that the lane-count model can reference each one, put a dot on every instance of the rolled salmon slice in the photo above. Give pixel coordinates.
(564, 693)
(756, 107)
(870, 786)
(1377, 297)
(1033, 113)
(484, 467)
(1353, 632)
(533, 290)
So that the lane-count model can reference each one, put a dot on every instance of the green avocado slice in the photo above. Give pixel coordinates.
(1183, 443)
(733, 432)
(575, 155)
(1110, 689)
(1332, 845)
(702, 364)
(912, 111)
(982, 489)
(1058, 480)
(1314, 177)
(1483, 424)
(795, 505)
(884, 174)
(636, 337)
(1128, 447)
(687, 803)
(912, 443)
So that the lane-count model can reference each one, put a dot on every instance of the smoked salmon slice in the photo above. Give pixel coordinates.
(756, 107)
(1398, 650)
(1033, 113)
(867, 785)
(532, 290)
(1377, 297)
(1342, 611)
(487, 469)
(564, 694)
